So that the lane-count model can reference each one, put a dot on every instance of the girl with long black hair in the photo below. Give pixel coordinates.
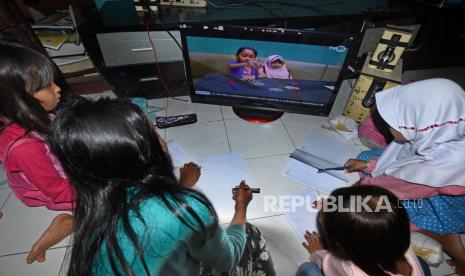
(132, 216)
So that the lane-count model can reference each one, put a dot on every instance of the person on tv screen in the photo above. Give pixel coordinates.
(246, 66)
(275, 68)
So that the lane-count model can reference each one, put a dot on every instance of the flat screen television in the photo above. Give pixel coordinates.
(263, 72)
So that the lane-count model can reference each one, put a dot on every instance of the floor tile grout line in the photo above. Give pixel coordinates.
(167, 105)
(166, 114)
(25, 252)
(266, 156)
(7, 198)
(226, 130)
(64, 259)
(288, 134)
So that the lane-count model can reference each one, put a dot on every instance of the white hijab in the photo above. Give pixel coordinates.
(430, 114)
(280, 73)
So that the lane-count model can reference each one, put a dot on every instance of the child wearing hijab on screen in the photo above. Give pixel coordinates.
(275, 68)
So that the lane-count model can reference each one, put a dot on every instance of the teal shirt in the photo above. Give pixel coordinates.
(170, 247)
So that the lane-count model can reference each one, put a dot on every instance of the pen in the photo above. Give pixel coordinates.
(253, 190)
(334, 169)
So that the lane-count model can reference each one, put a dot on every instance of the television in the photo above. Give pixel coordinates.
(305, 77)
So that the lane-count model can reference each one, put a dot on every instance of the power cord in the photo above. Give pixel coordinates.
(162, 79)
(148, 17)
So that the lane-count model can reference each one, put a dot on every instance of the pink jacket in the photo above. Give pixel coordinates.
(407, 190)
(33, 173)
(331, 265)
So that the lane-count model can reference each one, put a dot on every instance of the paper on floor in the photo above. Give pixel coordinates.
(300, 212)
(178, 155)
(220, 174)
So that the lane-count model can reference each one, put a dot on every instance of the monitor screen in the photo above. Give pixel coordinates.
(259, 68)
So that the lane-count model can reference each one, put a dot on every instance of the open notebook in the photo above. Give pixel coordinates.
(321, 150)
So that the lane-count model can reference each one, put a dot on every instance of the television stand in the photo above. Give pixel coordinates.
(255, 115)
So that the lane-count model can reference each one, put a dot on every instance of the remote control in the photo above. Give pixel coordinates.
(171, 121)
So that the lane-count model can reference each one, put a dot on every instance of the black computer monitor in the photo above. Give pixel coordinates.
(261, 70)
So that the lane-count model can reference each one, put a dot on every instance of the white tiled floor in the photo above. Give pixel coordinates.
(15, 265)
(266, 148)
(20, 226)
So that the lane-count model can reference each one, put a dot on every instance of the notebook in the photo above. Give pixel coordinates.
(322, 150)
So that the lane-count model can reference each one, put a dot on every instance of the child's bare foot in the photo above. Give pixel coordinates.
(189, 174)
(459, 269)
(60, 227)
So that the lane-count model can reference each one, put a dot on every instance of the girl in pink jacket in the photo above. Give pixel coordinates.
(27, 94)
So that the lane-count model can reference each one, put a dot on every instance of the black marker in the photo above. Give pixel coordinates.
(253, 190)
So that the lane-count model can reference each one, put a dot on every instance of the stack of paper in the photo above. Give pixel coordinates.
(56, 29)
(60, 20)
(68, 53)
(52, 39)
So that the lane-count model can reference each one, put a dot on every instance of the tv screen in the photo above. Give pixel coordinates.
(264, 69)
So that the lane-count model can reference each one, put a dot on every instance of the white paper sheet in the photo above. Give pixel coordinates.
(329, 146)
(178, 155)
(303, 217)
(220, 174)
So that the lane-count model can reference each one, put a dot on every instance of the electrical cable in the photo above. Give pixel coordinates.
(162, 79)
(148, 15)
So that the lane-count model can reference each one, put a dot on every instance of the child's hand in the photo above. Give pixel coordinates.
(356, 165)
(241, 195)
(253, 64)
(189, 174)
(313, 242)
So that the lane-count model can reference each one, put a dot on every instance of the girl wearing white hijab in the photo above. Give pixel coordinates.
(276, 68)
(426, 161)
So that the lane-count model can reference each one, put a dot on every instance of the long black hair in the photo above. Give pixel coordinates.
(109, 150)
(374, 241)
(23, 72)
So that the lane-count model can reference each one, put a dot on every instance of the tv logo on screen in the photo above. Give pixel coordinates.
(338, 49)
